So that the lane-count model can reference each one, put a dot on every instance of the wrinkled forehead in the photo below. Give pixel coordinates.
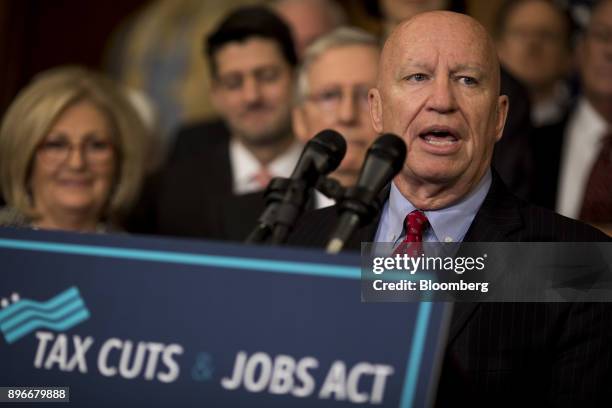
(456, 41)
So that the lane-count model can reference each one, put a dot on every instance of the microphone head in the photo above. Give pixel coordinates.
(384, 159)
(321, 155)
(333, 146)
(392, 148)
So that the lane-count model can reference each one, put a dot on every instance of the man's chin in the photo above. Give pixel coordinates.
(431, 175)
(262, 139)
(262, 134)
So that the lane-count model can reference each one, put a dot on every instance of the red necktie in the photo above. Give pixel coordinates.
(262, 177)
(415, 223)
(597, 204)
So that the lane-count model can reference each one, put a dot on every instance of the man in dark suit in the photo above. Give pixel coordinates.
(252, 63)
(574, 157)
(438, 88)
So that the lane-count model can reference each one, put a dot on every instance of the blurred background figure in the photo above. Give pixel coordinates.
(159, 53)
(394, 11)
(309, 19)
(332, 93)
(251, 60)
(575, 155)
(534, 39)
(72, 153)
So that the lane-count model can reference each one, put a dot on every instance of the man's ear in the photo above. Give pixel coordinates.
(502, 114)
(376, 109)
(300, 130)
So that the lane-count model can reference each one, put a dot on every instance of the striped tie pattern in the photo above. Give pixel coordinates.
(415, 224)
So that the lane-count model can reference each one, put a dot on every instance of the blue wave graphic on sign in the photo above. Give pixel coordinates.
(59, 313)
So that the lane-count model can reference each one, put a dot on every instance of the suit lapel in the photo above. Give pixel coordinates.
(497, 220)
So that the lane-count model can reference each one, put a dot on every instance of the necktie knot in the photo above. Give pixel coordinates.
(262, 177)
(415, 223)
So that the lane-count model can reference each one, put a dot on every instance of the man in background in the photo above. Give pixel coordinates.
(251, 61)
(575, 155)
(534, 40)
(333, 81)
(309, 19)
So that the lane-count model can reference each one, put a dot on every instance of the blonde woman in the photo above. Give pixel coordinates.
(72, 153)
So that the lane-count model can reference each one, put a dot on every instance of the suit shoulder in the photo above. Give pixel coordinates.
(198, 137)
(209, 131)
(542, 224)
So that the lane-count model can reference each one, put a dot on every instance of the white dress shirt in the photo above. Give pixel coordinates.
(581, 146)
(322, 201)
(245, 166)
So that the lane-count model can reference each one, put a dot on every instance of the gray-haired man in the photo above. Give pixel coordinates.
(333, 81)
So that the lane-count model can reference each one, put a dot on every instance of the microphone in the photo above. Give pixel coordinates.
(360, 204)
(287, 197)
(321, 155)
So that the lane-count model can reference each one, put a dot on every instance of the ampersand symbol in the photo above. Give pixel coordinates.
(203, 368)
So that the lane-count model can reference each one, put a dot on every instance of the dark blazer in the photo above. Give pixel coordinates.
(513, 354)
(197, 137)
(548, 146)
(513, 156)
(192, 196)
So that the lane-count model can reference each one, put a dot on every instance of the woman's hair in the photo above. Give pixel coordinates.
(35, 110)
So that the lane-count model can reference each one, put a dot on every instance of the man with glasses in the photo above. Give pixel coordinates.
(575, 156)
(534, 41)
(332, 92)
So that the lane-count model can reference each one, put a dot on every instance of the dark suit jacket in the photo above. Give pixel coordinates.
(192, 196)
(513, 157)
(512, 354)
(548, 146)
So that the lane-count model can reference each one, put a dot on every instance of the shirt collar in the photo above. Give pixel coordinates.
(245, 166)
(592, 126)
(449, 224)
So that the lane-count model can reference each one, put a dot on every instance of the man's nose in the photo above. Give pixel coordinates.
(348, 111)
(251, 90)
(442, 98)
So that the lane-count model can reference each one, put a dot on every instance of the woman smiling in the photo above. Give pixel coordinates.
(72, 153)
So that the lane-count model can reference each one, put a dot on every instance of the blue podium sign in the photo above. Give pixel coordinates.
(139, 321)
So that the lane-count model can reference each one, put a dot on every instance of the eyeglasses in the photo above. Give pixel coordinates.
(329, 100)
(95, 151)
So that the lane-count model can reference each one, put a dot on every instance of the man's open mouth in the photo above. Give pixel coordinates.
(439, 136)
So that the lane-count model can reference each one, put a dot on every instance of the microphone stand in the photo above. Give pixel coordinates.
(273, 196)
(285, 201)
(289, 210)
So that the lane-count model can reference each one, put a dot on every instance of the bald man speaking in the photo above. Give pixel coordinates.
(438, 89)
